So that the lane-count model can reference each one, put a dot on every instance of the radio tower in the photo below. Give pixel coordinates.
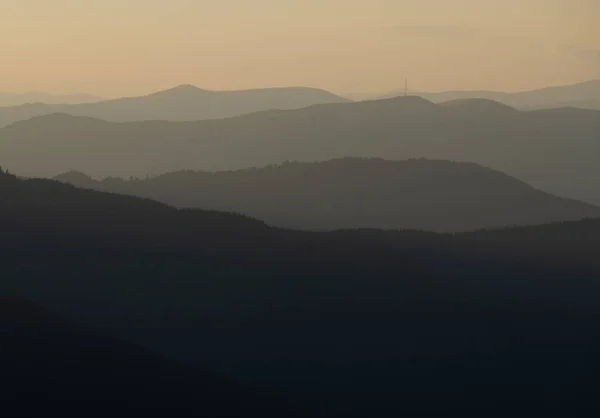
(405, 87)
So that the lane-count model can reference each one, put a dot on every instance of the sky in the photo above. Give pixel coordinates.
(117, 48)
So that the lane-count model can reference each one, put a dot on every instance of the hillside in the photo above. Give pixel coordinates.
(357, 193)
(18, 99)
(181, 103)
(552, 150)
(53, 361)
(50, 210)
(584, 95)
(480, 108)
(375, 323)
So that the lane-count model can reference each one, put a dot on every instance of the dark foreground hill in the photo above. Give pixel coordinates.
(180, 103)
(377, 323)
(553, 150)
(52, 366)
(357, 193)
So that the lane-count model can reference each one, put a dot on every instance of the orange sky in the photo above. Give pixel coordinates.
(126, 47)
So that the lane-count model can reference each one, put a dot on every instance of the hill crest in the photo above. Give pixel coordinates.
(180, 103)
(478, 106)
(349, 193)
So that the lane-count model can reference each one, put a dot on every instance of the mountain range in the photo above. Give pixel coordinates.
(584, 95)
(553, 150)
(181, 103)
(18, 99)
(357, 193)
(370, 322)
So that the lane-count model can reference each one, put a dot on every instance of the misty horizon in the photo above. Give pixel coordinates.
(112, 49)
(353, 95)
(300, 208)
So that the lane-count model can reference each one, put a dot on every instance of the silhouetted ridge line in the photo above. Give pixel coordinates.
(480, 106)
(180, 103)
(377, 323)
(585, 95)
(17, 99)
(58, 120)
(401, 128)
(347, 193)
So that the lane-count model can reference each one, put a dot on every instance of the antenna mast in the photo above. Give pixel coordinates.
(406, 87)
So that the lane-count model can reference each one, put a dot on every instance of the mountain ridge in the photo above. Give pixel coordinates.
(180, 103)
(431, 195)
(399, 128)
(585, 94)
(373, 322)
(17, 99)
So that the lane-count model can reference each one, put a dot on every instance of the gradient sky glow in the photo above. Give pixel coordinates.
(127, 47)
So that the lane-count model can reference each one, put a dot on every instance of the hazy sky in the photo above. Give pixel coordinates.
(125, 47)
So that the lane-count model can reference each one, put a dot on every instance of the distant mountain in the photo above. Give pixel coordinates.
(376, 323)
(553, 150)
(358, 193)
(182, 103)
(50, 365)
(17, 99)
(584, 95)
(478, 108)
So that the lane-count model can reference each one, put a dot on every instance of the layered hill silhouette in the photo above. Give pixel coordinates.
(357, 193)
(479, 107)
(181, 103)
(584, 95)
(553, 150)
(61, 365)
(18, 99)
(371, 322)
